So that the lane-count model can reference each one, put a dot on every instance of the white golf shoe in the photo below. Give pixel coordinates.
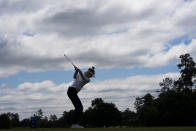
(76, 126)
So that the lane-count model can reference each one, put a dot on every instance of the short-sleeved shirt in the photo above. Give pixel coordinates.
(78, 83)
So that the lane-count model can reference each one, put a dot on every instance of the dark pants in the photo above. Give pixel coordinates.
(72, 94)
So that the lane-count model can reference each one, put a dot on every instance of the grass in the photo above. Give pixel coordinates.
(109, 129)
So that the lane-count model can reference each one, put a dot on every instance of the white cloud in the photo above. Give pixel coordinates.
(104, 33)
(28, 97)
(3, 85)
(27, 86)
(172, 55)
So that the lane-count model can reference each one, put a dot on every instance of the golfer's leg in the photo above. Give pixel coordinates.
(77, 104)
(78, 109)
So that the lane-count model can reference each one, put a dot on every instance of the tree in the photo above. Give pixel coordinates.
(39, 114)
(5, 122)
(188, 72)
(43, 123)
(67, 118)
(147, 100)
(175, 108)
(146, 110)
(96, 102)
(176, 103)
(25, 123)
(14, 119)
(53, 117)
(129, 118)
(102, 114)
(166, 85)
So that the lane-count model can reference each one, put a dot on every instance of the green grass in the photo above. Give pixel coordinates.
(110, 129)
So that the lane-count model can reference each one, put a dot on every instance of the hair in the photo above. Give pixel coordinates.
(92, 70)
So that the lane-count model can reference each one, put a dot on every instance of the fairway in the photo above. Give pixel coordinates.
(109, 129)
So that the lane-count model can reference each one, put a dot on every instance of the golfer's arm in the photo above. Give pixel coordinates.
(81, 74)
(75, 74)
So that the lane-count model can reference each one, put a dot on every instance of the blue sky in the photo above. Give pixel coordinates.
(66, 76)
(133, 45)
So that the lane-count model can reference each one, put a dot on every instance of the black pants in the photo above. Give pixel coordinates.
(72, 94)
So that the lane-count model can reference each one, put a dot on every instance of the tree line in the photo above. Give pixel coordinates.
(175, 105)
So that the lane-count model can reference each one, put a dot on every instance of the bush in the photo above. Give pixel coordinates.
(5, 122)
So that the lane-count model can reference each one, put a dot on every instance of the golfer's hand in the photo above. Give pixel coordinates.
(76, 68)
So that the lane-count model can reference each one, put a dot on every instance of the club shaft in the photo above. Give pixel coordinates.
(69, 60)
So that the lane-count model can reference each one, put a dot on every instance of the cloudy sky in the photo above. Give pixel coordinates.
(133, 44)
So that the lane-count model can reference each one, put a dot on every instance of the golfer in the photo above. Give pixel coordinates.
(80, 79)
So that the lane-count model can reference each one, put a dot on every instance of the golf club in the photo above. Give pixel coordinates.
(69, 60)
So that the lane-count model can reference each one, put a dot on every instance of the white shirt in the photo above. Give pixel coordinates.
(78, 83)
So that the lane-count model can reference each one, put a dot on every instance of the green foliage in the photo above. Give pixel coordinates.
(129, 118)
(5, 122)
(39, 114)
(146, 110)
(176, 102)
(68, 117)
(140, 103)
(9, 120)
(53, 117)
(167, 84)
(102, 114)
(188, 72)
(25, 123)
(14, 119)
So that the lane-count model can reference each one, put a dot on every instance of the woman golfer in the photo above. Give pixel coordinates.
(80, 79)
